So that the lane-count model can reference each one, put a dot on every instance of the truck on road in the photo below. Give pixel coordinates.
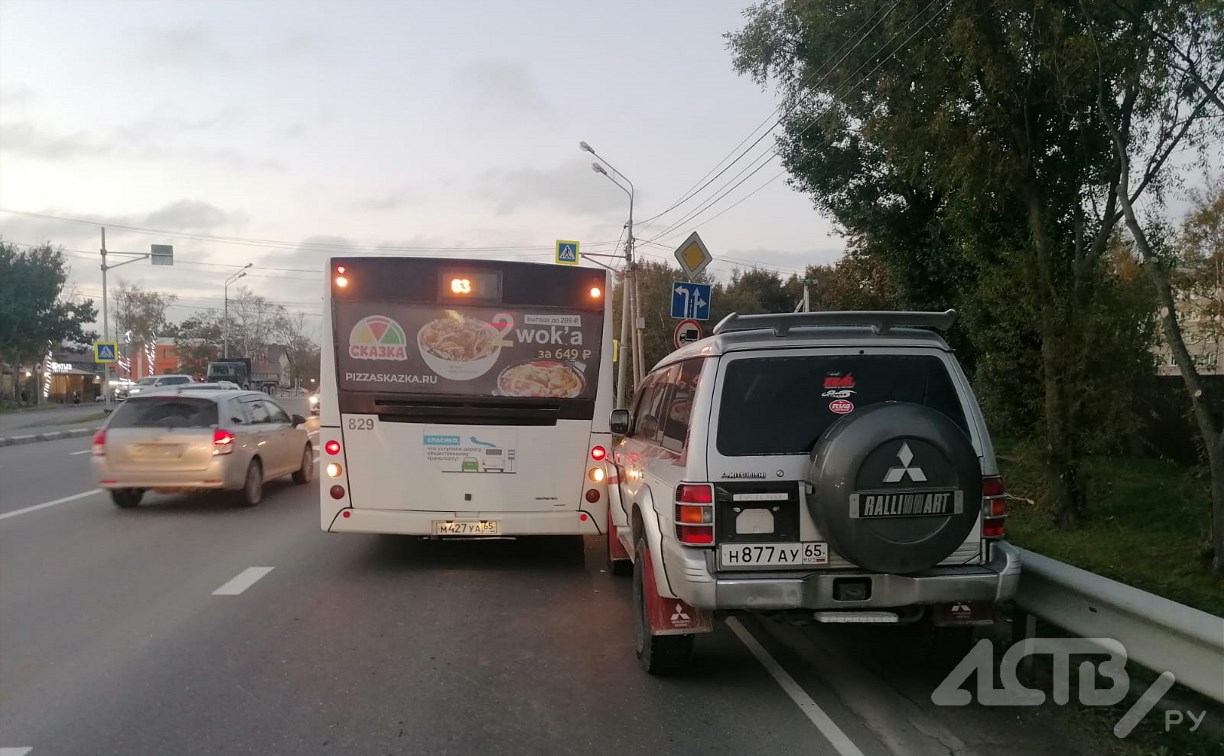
(244, 372)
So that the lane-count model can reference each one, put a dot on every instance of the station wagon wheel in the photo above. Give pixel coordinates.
(252, 490)
(303, 474)
(126, 498)
(658, 654)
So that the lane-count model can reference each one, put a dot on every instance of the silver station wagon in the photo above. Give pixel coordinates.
(199, 439)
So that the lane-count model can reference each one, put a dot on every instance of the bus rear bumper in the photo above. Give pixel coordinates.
(422, 523)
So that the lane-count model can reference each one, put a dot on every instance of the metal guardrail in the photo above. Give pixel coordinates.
(1160, 634)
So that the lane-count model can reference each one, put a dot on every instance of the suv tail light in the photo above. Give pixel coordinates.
(695, 514)
(99, 443)
(994, 507)
(223, 442)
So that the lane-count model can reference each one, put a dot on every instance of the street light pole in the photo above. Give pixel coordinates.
(629, 299)
(225, 316)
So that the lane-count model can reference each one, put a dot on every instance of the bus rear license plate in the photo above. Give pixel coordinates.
(467, 527)
(733, 555)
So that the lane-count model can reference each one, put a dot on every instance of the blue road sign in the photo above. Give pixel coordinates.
(690, 300)
(567, 252)
(105, 351)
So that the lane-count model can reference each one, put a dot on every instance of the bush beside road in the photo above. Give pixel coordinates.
(1149, 525)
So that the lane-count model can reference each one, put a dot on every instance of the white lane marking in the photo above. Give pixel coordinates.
(15, 751)
(75, 454)
(46, 504)
(838, 739)
(242, 581)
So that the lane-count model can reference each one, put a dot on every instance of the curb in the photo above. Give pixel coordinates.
(49, 436)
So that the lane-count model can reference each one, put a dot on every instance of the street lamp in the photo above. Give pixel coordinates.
(629, 297)
(225, 317)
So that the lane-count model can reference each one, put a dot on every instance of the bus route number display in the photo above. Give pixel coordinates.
(469, 285)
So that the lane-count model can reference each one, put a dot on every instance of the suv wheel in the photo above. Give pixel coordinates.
(126, 498)
(252, 490)
(658, 654)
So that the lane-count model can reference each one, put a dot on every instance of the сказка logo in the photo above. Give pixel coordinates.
(378, 337)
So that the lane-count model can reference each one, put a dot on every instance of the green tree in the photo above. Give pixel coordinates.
(34, 313)
(963, 138)
(139, 312)
(197, 340)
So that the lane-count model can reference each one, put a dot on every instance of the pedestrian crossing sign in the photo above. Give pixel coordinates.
(106, 351)
(567, 252)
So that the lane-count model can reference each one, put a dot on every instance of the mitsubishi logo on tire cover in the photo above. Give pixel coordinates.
(898, 474)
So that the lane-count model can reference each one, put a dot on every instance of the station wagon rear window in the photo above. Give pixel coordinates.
(165, 412)
(782, 405)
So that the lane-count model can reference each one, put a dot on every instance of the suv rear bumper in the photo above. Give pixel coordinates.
(691, 580)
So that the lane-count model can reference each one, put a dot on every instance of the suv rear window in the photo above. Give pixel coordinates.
(174, 380)
(782, 405)
(165, 412)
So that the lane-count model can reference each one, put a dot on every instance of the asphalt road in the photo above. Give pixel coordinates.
(113, 640)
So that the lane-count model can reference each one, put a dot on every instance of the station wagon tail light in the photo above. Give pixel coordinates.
(994, 507)
(598, 453)
(223, 442)
(695, 514)
(99, 444)
(332, 447)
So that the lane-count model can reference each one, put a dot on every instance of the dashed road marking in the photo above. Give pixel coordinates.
(242, 581)
(834, 734)
(44, 505)
(15, 751)
(77, 454)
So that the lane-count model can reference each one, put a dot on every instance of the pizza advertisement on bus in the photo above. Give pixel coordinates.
(544, 353)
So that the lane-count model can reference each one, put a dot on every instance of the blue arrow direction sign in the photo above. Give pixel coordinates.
(690, 300)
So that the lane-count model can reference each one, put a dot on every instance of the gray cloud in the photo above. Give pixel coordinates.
(16, 95)
(505, 86)
(570, 186)
(202, 46)
(386, 201)
(191, 215)
(23, 137)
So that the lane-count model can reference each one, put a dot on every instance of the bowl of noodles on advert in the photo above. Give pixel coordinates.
(550, 379)
(458, 347)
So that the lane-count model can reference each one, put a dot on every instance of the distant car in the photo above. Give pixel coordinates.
(314, 404)
(192, 438)
(151, 382)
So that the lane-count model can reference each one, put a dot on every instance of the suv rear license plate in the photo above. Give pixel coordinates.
(467, 527)
(731, 555)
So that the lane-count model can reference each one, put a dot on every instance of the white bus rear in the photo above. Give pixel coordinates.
(464, 397)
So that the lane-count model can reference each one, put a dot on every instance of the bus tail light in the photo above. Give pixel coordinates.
(341, 276)
(98, 449)
(332, 447)
(596, 475)
(994, 507)
(337, 492)
(223, 442)
(695, 513)
(598, 453)
(592, 495)
(334, 470)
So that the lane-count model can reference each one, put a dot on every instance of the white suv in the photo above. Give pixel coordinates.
(830, 466)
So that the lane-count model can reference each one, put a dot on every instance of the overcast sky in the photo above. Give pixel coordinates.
(378, 124)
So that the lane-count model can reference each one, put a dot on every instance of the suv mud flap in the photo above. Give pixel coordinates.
(671, 616)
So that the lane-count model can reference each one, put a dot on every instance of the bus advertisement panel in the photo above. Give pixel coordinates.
(465, 397)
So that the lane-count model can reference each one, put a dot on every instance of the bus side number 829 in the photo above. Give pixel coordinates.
(361, 423)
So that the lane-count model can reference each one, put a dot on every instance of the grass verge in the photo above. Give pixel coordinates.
(1148, 524)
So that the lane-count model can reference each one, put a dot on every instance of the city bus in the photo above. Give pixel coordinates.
(463, 397)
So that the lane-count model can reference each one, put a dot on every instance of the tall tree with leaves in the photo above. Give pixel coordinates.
(977, 125)
(139, 312)
(33, 310)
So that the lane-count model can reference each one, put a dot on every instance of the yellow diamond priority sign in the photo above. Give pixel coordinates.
(693, 255)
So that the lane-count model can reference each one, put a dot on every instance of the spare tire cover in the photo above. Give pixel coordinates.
(898, 487)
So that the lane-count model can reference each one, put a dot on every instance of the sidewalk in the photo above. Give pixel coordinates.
(28, 426)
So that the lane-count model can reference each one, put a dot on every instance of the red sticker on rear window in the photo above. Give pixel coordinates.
(841, 406)
(839, 381)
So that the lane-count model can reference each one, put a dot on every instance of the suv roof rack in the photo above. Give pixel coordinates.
(881, 321)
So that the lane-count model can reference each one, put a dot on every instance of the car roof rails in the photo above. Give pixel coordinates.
(881, 321)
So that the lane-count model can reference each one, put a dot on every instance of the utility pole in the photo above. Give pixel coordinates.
(106, 387)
